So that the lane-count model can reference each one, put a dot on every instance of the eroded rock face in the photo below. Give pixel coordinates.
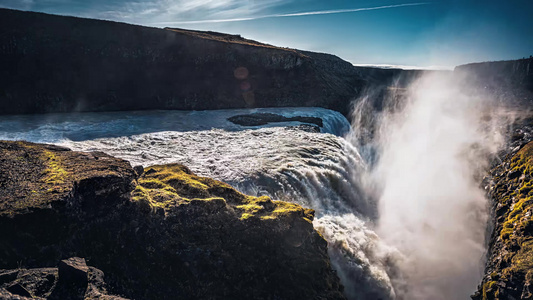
(164, 233)
(63, 64)
(510, 81)
(509, 272)
(512, 73)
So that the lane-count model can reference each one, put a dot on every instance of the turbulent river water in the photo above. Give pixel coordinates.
(409, 226)
(318, 170)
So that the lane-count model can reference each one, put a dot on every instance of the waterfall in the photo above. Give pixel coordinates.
(318, 170)
(428, 147)
(394, 192)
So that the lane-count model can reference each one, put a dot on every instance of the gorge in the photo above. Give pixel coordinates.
(398, 192)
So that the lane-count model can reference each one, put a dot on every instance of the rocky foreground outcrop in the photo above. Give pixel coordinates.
(71, 279)
(509, 269)
(157, 233)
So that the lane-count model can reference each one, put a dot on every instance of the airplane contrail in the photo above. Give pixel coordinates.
(310, 13)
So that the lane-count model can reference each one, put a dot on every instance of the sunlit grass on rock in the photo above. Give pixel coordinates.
(168, 186)
(511, 261)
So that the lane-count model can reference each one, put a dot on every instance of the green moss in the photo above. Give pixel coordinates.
(42, 174)
(140, 193)
(167, 186)
(494, 276)
(153, 183)
(517, 219)
(246, 216)
(490, 290)
(141, 196)
(523, 260)
(251, 208)
(283, 209)
(265, 208)
(54, 173)
(515, 197)
(152, 194)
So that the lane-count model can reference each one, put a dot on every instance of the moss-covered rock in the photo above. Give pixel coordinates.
(36, 177)
(169, 186)
(510, 262)
(165, 234)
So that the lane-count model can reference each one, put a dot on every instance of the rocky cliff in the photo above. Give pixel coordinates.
(509, 268)
(54, 63)
(157, 233)
(511, 81)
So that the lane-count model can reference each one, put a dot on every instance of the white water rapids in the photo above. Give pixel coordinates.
(317, 170)
(405, 227)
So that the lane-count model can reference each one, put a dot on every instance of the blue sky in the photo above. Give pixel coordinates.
(417, 33)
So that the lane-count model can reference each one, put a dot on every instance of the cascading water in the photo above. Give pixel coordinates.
(396, 199)
(318, 170)
(429, 147)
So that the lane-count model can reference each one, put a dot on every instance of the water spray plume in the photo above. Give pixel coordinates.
(429, 146)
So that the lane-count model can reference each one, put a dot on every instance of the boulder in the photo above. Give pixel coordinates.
(73, 279)
(259, 119)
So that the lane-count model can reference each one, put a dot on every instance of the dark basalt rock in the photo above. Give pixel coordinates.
(516, 74)
(73, 279)
(56, 283)
(511, 81)
(61, 64)
(162, 234)
(259, 119)
(18, 289)
(139, 170)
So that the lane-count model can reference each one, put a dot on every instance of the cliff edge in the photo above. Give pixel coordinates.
(157, 233)
(52, 63)
(510, 81)
(509, 268)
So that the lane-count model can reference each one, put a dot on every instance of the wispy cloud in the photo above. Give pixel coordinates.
(158, 11)
(321, 12)
(17, 4)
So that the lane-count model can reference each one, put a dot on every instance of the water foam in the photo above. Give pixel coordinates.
(318, 170)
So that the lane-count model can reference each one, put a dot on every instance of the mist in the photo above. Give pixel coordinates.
(428, 149)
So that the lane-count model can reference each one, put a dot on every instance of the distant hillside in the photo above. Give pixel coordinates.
(59, 64)
(512, 80)
(517, 73)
